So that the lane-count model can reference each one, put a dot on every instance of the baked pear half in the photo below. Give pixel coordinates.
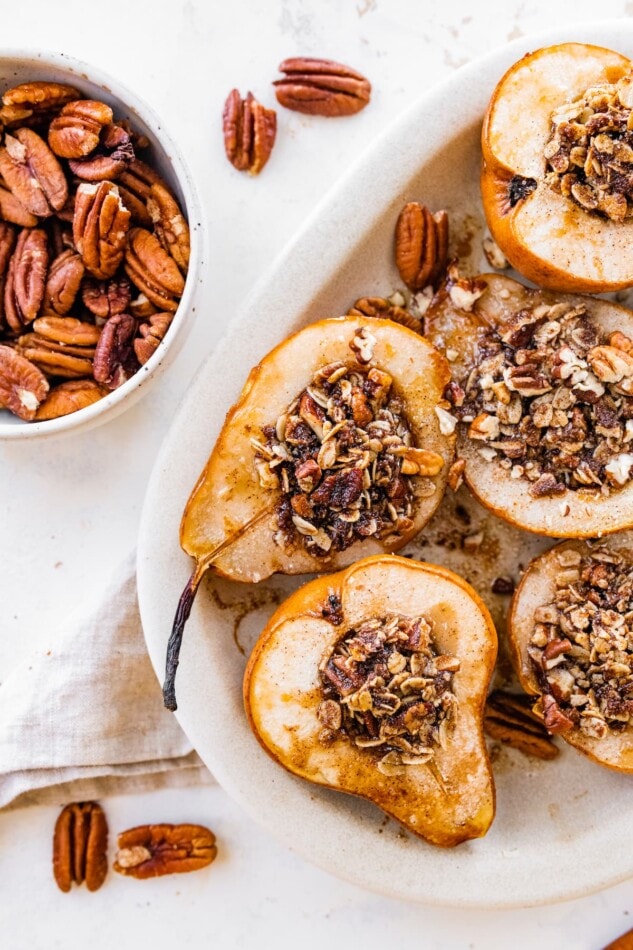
(543, 393)
(333, 451)
(557, 175)
(571, 637)
(372, 681)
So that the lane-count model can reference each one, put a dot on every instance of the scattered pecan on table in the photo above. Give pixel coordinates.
(94, 251)
(155, 850)
(80, 846)
(321, 87)
(249, 132)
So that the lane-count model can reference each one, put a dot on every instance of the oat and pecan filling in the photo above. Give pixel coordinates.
(582, 645)
(386, 689)
(590, 150)
(551, 400)
(343, 455)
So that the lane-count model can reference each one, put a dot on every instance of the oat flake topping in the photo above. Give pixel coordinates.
(582, 645)
(590, 150)
(386, 689)
(343, 455)
(551, 400)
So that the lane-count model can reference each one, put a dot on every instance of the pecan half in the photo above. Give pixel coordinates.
(80, 846)
(105, 298)
(152, 270)
(67, 330)
(39, 98)
(11, 209)
(55, 359)
(150, 335)
(32, 173)
(7, 243)
(509, 719)
(321, 87)
(170, 226)
(114, 154)
(70, 397)
(249, 132)
(100, 227)
(421, 245)
(24, 288)
(22, 385)
(64, 279)
(384, 310)
(135, 184)
(75, 132)
(115, 361)
(154, 850)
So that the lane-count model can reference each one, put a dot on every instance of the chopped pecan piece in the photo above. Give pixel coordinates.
(32, 173)
(105, 298)
(75, 132)
(421, 245)
(154, 850)
(64, 279)
(115, 360)
(321, 87)
(249, 132)
(150, 335)
(80, 846)
(170, 226)
(100, 227)
(70, 397)
(24, 287)
(152, 270)
(553, 716)
(22, 385)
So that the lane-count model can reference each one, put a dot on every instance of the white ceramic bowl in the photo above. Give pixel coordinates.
(18, 66)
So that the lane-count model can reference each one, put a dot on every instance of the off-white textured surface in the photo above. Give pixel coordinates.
(71, 509)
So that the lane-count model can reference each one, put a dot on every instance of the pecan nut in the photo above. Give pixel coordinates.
(37, 100)
(7, 243)
(22, 385)
(152, 270)
(32, 173)
(75, 132)
(115, 360)
(105, 298)
(509, 719)
(170, 226)
(150, 335)
(70, 397)
(114, 153)
(11, 209)
(249, 132)
(421, 245)
(67, 330)
(134, 184)
(321, 87)
(63, 282)
(154, 850)
(25, 283)
(385, 310)
(100, 227)
(80, 846)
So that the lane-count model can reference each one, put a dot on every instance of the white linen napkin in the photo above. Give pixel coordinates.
(87, 719)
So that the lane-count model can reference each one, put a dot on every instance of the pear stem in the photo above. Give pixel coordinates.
(186, 603)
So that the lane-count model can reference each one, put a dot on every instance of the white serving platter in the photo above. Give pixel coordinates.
(563, 829)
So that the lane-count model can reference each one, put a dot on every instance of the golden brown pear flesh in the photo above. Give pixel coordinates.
(589, 514)
(229, 521)
(538, 588)
(545, 236)
(446, 803)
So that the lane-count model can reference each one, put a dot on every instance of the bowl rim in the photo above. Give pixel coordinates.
(120, 399)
